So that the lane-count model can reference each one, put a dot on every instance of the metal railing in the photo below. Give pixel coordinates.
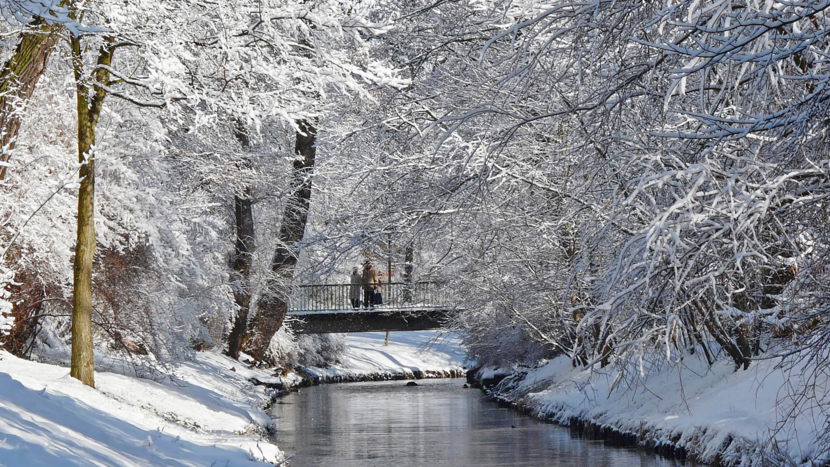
(395, 295)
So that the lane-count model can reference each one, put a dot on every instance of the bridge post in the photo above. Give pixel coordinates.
(409, 254)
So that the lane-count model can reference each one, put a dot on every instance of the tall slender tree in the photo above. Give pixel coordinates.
(90, 92)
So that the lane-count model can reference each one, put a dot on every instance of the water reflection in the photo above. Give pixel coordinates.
(438, 423)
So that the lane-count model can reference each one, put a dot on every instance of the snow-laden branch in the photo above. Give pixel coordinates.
(22, 12)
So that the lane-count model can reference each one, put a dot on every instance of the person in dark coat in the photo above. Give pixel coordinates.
(354, 289)
(370, 279)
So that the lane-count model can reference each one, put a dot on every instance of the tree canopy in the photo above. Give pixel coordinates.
(627, 183)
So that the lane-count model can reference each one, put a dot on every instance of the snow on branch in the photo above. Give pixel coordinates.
(22, 12)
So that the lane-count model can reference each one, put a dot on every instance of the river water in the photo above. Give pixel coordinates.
(438, 423)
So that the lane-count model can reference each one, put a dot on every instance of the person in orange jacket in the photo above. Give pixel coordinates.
(370, 281)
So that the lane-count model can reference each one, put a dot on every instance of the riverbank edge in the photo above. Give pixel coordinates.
(504, 389)
(373, 356)
(301, 377)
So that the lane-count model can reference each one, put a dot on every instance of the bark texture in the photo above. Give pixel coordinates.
(89, 105)
(18, 79)
(242, 259)
(273, 304)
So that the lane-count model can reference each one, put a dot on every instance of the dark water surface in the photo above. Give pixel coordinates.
(438, 423)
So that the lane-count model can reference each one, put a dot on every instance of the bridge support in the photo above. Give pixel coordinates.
(368, 321)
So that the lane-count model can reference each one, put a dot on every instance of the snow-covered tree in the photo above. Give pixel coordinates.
(167, 89)
(627, 179)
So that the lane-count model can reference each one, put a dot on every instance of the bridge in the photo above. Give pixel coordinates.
(326, 308)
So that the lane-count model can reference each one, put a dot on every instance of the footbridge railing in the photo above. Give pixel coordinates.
(395, 296)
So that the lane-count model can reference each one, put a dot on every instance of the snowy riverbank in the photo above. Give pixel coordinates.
(368, 357)
(711, 415)
(209, 412)
(408, 355)
(205, 414)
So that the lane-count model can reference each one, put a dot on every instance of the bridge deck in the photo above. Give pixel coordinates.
(363, 320)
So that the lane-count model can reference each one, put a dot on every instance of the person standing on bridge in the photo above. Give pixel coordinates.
(370, 278)
(354, 289)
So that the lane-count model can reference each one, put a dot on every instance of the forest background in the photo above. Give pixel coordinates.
(627, 183)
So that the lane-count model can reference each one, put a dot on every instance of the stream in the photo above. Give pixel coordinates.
(437, 423)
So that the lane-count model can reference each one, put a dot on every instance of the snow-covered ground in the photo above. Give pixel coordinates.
(204, 415)
(712, 413)
(207, 413)
(407, 354)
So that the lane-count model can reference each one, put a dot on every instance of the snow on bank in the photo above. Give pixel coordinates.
(408, 355)
(714, 415)
(204, 415)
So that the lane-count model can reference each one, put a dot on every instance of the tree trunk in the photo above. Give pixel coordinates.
(18, 79)
(242, 258)
(89, 105)
(271, 308)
